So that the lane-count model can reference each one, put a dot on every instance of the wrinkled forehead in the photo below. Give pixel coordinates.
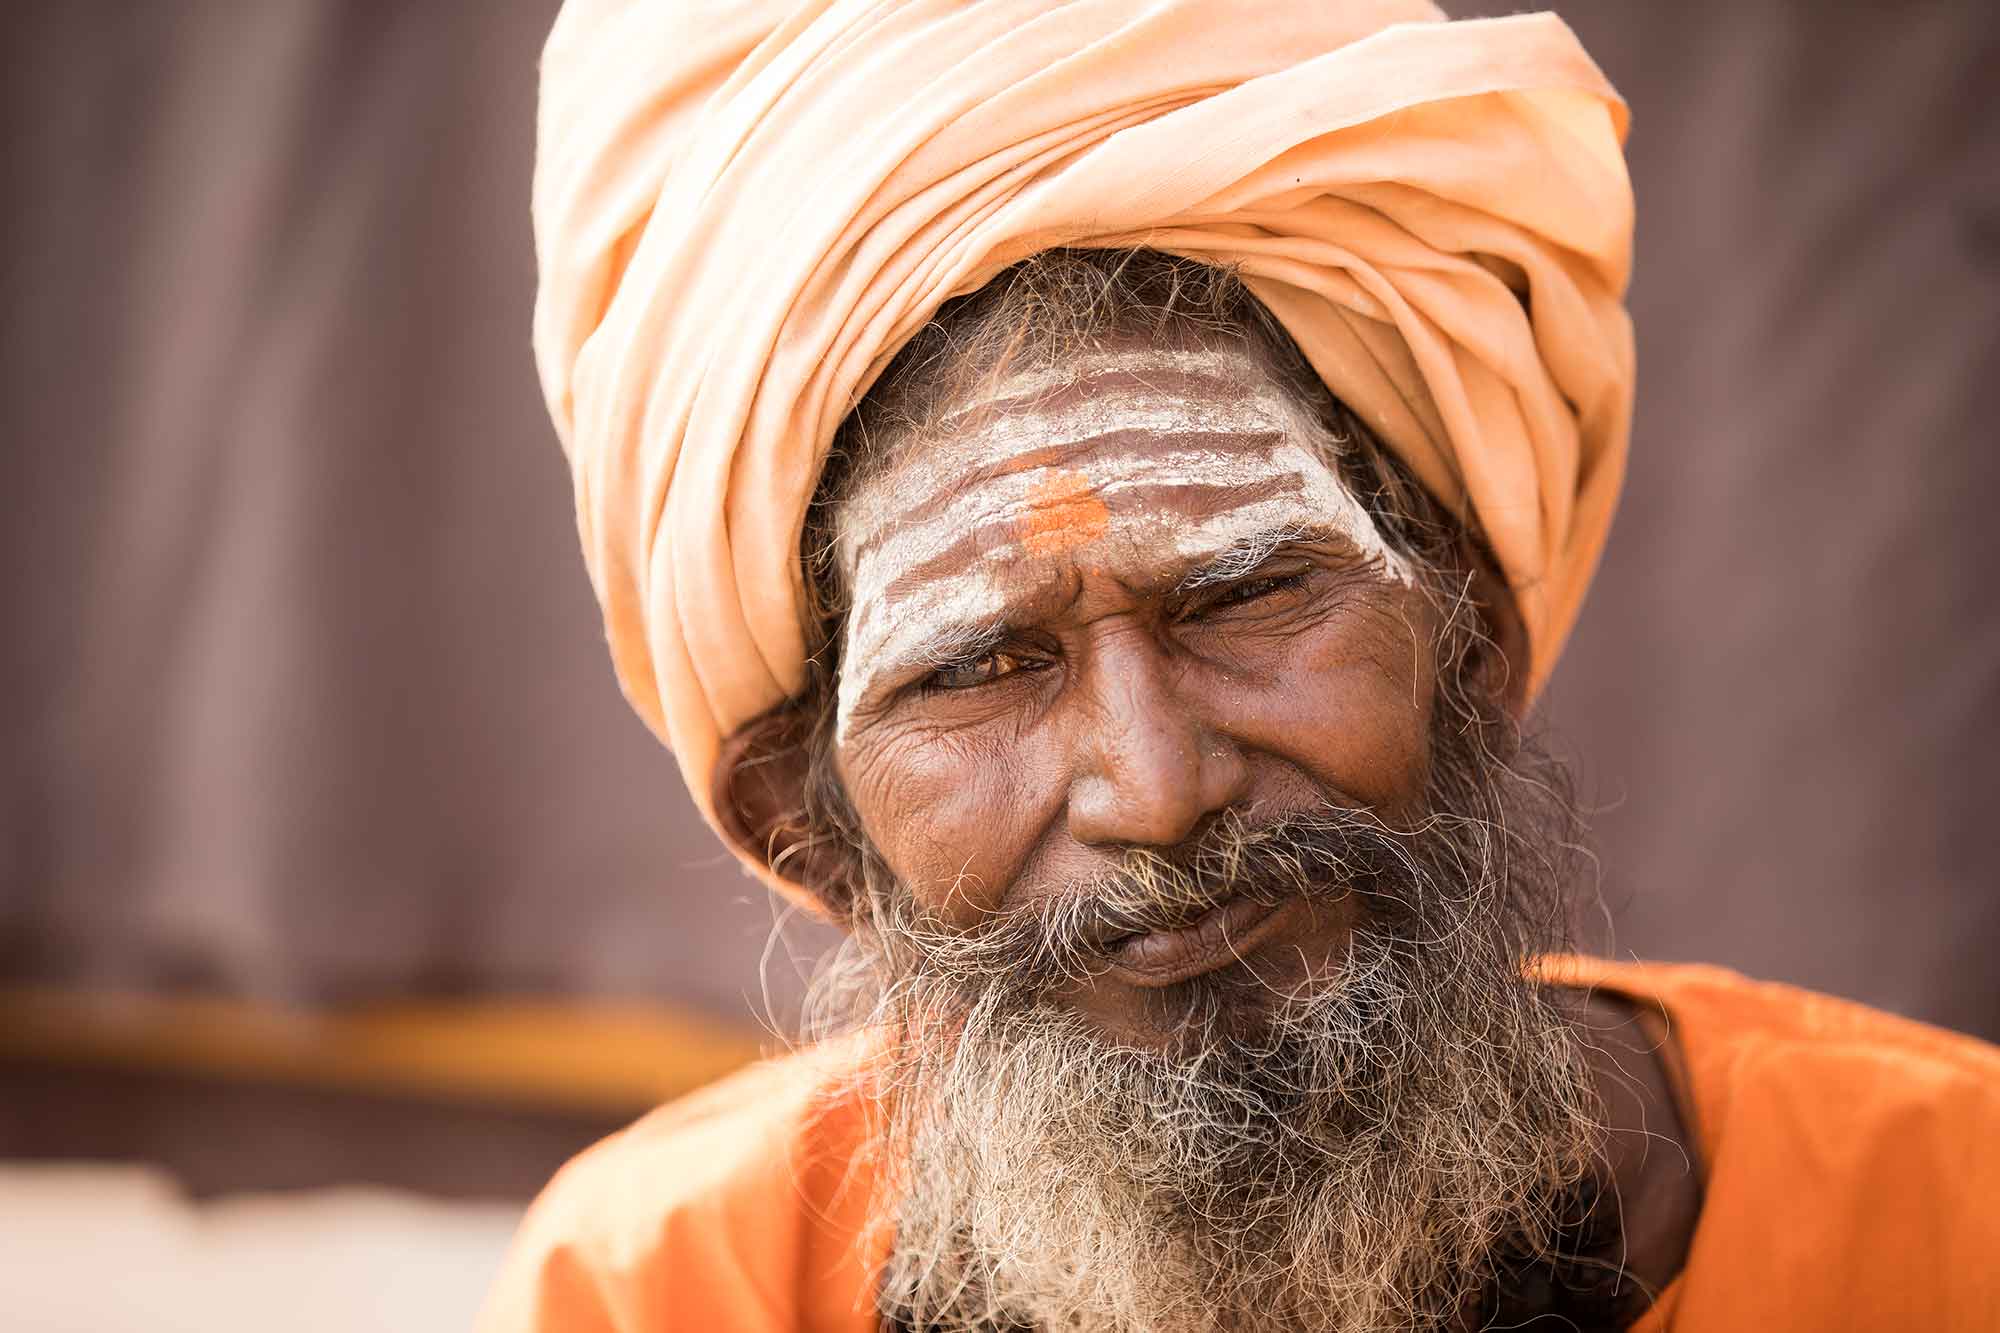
(1131, 406)
(1151, 468)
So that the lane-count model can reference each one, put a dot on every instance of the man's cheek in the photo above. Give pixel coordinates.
(1349, 704)
(946, 816)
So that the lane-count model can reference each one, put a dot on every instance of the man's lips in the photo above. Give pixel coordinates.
(1215, 939)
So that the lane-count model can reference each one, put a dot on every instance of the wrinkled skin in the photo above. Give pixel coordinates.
(1122, 707)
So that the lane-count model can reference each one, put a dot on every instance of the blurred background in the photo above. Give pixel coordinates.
(341, 898)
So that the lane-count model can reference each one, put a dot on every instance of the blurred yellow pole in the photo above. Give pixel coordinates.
(536, 1054)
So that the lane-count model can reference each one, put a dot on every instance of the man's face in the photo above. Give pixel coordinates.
(1104, 608)
(1195, 893)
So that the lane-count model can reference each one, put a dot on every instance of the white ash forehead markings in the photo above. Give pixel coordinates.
(1210, 391)
(1254, 402)
(1225, 368)
(898, 547)
(894, 549)
(1316, 493)
(1060, 476)
(1015, 537)
(1017, 444)
(905, 543)
(997, 437)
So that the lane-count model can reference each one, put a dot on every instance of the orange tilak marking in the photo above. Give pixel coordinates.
(1062, 515)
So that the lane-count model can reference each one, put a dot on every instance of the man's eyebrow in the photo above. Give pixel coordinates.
(1246, 554)
(950, 645)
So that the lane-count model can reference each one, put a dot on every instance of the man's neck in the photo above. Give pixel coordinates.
(1650, 1154)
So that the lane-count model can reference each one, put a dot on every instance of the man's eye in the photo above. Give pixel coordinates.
(966, 675)
(1238, 593)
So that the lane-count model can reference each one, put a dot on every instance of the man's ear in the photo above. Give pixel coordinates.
(758, 793)
(1500, 660)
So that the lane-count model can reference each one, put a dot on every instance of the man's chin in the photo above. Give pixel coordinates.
(1209, 1153)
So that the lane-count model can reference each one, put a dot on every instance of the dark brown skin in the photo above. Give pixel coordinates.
(1119, 711)
(1128, 718)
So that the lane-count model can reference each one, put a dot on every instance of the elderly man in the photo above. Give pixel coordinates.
(1089, 491)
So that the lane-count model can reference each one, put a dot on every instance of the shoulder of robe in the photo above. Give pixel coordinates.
(739, 1206)
(1852, 1159)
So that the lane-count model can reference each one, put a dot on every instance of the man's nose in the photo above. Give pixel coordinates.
(1147, 766)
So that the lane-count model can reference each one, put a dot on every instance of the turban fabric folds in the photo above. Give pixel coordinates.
(742, 211)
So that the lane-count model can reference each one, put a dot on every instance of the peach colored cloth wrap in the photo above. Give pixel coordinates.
(742, 210)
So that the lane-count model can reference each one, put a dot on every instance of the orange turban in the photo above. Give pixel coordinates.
(742, 210)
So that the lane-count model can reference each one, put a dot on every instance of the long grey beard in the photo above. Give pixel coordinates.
(1353, 1156)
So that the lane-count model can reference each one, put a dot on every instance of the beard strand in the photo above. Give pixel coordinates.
(1357, 1154)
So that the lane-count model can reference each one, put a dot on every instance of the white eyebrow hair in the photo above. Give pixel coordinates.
(954, 644)
(1243, 556)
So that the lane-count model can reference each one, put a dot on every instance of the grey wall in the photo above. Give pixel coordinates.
(303, 695)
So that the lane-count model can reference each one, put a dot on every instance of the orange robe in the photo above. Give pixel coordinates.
(1850, 1161)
